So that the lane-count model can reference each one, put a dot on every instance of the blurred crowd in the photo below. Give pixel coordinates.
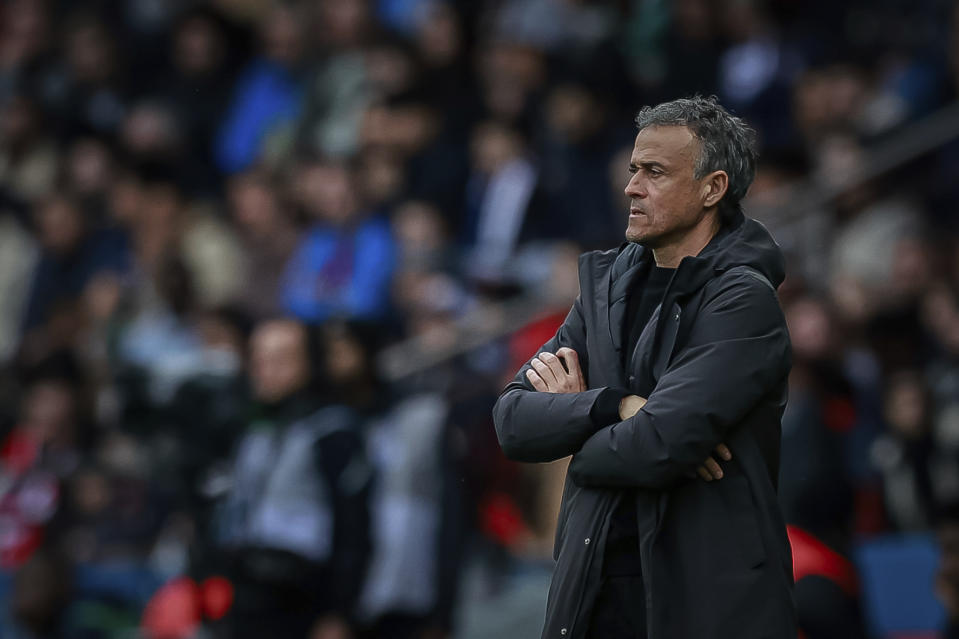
(216, 216)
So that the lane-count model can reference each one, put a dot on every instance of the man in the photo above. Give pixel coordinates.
(675, 345)
(295, 524)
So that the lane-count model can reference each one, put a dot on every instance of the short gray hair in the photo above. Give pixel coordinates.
(727, 142)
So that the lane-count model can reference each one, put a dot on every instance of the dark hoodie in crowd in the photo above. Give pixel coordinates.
(715, 556)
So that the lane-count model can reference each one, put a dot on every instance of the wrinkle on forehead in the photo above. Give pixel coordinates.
(670, 144)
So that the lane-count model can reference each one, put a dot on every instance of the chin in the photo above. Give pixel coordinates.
(637, 232)
(641, 238)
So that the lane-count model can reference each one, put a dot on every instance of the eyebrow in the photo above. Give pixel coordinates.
(646, 164)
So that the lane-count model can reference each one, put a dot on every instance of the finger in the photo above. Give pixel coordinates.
(713, 468)
(702, 472)
(545, 372)
(554, 364)
(724, 452)
(536, 380)
(571, 358)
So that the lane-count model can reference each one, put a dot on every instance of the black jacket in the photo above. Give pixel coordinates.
(715, 556)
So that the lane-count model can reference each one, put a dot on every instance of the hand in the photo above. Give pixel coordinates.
(331, 627)
(548, 373)
(710, 469)
(630, 405)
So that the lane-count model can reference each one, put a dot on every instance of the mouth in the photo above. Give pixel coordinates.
(636, 213)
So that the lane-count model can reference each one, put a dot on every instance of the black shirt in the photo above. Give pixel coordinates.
(622, 543)
(644, 296)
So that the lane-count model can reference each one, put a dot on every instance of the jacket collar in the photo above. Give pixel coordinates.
(633, 260)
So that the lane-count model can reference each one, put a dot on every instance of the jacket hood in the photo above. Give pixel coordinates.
(745, 242)
(739, 242)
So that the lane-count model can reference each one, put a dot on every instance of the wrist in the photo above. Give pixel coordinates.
(605, 409)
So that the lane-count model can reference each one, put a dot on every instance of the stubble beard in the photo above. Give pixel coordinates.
(651, 243)
(648, 240)
(635, 237)
(656, 237)
(654, 240)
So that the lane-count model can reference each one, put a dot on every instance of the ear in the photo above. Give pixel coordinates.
(714, 188)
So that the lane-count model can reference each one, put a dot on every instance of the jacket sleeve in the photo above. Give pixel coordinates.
(738, 351)
(539, 427)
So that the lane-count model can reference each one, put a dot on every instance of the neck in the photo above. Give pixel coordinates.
(691, 243)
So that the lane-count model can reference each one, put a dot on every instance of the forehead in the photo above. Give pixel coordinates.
(666, 144)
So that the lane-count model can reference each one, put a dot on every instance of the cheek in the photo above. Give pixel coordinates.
(666, 194)
(675, 201)
(661, 205)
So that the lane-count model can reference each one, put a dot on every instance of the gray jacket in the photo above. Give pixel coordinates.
(715, 556)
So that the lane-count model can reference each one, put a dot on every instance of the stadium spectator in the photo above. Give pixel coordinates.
(268, 236)
(503, 206)
(72, 254)
(294, 526)
(28, 160)
(342, 266)
(198, 85)
(267, 94)
(36, 459)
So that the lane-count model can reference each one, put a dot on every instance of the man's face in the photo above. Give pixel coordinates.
(665, 198)
(278, 362)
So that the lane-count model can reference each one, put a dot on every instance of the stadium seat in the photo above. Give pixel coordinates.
(897, 573)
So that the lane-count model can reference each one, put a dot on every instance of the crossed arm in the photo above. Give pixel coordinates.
(737, 352)
(560, 373)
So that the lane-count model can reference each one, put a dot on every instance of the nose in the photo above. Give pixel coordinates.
(635, 187)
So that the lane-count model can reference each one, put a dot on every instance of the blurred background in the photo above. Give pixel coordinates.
(265, 266)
